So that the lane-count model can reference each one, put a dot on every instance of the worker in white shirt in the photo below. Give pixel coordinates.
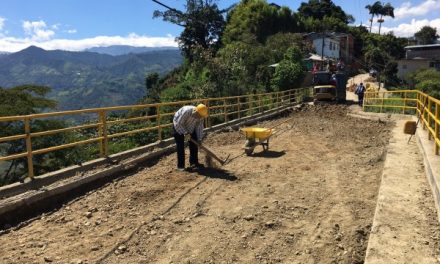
(188, 120)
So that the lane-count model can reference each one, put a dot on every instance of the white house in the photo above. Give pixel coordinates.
(326, 45)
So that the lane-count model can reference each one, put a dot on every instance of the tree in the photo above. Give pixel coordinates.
(278, 44)
(376, 58)
(386, 10)
(374, 10)
(24, 100)
(318, 9)
(20, 100)
(203, 24)
(289, 73)
(426, 35)
(253, 21)
(152, 86)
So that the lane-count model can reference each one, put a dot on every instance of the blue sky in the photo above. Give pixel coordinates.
(80, 24)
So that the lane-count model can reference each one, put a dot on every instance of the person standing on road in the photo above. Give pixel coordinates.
(188, 120)
(360, 90)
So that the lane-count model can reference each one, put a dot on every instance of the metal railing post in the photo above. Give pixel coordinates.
(208, 120)
(429, 118)
(437, 114)
(381, 106)
(225, 111)
(30, 163)
(404, 102)
(277, 99)
(158, 123)
(238, 107)
(103, 143)
(422, 113)
(259, 104)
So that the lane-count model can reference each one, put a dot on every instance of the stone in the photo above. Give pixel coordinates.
(248, 217)
(122, 248)
(269, 224)
(95, 248)
(47, 259)
(88, 214)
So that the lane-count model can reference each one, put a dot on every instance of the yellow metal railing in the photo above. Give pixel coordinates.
(221, 110)
(408, 102)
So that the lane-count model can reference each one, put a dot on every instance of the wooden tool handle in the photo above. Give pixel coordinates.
(209, 152)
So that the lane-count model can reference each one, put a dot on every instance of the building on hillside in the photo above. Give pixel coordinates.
(419, 57)
(326, 45)
(334, 46)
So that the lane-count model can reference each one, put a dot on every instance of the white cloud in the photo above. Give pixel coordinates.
(408, 29)
(11, 44)
(37, 30)
(2, 23)
(71, 31)
(408, 10)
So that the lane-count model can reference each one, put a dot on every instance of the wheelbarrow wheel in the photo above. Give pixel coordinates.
(248, 151)
(249, 146)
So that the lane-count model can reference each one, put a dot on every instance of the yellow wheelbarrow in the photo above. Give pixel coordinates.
(256, 136)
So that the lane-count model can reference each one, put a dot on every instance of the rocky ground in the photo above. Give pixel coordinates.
(309, 199)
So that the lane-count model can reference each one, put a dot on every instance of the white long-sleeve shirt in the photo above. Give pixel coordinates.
(185, 122)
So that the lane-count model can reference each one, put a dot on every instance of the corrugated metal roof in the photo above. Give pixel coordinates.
(423, 46)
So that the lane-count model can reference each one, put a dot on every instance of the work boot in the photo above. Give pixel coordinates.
(180, 169)
(196, 166)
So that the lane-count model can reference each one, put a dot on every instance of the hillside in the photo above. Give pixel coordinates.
(116, 50)
(86, 79)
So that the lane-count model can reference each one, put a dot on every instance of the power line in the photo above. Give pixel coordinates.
(170, 8)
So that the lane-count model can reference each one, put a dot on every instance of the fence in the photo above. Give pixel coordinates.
(155, 118)
(408, 102)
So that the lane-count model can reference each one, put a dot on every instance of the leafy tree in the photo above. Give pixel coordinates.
(25, 100)
(318, 9)
(377, 9)
(386, 10)
(278, 44)
(289, 73)
(151, 81)
(359, 34)
(426, 35)
(326, 24)
(376, 58)
(390, 74)
(374, 10)
(152, 86)
(388, 43)
(203, 24)
(254, 21)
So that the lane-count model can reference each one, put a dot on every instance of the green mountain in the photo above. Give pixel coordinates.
(86, 79)
(116, 50)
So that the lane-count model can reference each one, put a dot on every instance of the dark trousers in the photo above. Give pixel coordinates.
(193, 150)
(361, 99)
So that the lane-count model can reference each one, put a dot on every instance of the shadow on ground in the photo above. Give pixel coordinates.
(216, 173)
(269, 154)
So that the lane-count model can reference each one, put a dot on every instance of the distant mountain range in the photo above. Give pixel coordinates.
(117, 50)
(87, 79)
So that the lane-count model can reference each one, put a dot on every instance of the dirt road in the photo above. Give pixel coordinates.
(309, 199)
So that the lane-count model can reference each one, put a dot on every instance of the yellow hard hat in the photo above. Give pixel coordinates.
(202, 110)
